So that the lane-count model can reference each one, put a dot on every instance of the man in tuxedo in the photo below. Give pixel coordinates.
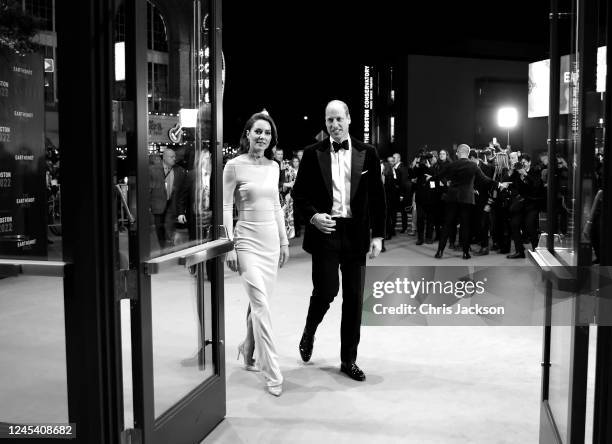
(168, 197)
(459, 199)
(404, 185)
(340, 194)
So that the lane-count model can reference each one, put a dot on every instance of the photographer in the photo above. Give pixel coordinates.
(425, 197)
(527, 195)
(498, 204)
(480, 218)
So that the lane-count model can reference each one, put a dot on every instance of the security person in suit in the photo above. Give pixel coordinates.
(460, 176)
(168, 195)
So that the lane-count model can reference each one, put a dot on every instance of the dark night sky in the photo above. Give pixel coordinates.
(292, 57)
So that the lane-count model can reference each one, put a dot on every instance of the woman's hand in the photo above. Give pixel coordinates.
(284, 255)
(232, 260)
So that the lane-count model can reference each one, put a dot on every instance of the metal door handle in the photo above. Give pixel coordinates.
(13, 267)
(190, 256)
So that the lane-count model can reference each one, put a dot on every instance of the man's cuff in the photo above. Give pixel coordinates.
(312, 218)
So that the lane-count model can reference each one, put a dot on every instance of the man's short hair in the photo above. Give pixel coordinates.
(339, 102)
(463, 149)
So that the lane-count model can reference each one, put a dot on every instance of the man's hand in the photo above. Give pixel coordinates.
(324, 223)
(375, 247)
(182, 219)
(284, 255)
(232, 260)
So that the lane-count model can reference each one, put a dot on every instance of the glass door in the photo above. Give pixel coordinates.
(167, 129)
(566, 257)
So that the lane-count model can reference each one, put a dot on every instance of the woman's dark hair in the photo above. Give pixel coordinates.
(448, 158)
(244, 141)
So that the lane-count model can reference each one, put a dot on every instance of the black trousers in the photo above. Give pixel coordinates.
(425, 221)
(481, 225)
(393, 205)
(340, 254)
(527, 218)
(464, 212)
(160, 229)
(401, 207)
(500, 228)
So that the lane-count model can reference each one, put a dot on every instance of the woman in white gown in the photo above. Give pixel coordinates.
(250, 180)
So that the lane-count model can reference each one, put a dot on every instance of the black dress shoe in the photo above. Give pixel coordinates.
(429, 241)
(306, 344)
(466, 255)
(517, 255)
(439, 254)
(420, 242)
(352, 371)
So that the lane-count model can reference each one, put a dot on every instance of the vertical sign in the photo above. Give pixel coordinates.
(368, 103)
(23, 224)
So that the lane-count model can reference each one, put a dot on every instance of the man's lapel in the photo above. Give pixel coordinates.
(357, 160)
(323, 154)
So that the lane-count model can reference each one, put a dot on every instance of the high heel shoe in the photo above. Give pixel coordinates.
(275, 390)
(249, 363)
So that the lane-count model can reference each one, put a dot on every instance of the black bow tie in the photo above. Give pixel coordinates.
(340, 146)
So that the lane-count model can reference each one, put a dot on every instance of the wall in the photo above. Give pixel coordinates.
(441, 103)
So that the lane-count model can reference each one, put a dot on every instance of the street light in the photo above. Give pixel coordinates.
(507, 118)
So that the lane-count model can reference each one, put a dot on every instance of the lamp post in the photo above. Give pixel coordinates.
(507, 117)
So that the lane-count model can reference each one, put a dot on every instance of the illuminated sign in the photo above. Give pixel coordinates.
(49, 65)
(539, 84)
(368, 103)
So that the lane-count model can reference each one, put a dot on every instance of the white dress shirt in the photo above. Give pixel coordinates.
(341, 181)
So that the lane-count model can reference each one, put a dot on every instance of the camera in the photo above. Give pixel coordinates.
(423, 157)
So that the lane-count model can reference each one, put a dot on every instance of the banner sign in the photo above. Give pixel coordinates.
(23, 201)
(368, 102)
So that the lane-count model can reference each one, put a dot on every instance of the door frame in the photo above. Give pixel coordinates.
(560, 273)
(198, 412)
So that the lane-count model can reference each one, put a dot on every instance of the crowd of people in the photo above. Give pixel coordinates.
(439, 195)
(491, 197)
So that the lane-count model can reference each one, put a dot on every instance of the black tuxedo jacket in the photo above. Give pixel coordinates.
(461, 174)
(312, 193)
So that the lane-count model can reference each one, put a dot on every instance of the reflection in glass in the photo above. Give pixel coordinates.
(559, 379)
(182, 324)
(33, 385)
